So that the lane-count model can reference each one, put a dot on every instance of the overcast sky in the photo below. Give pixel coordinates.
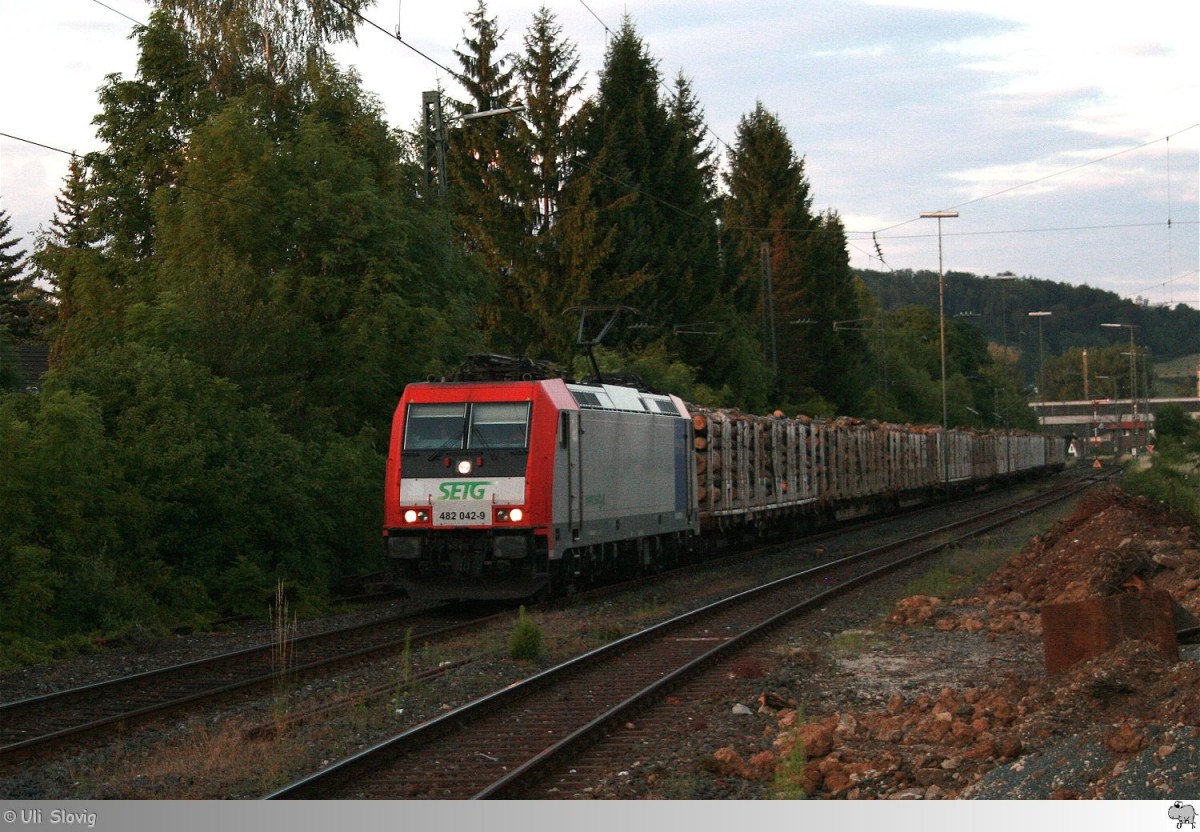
(1045, 123)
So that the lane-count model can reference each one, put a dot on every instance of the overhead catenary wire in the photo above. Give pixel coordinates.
(1049, 176)
(662, 83)
(607, 31)
(118, 11)
(396, 37)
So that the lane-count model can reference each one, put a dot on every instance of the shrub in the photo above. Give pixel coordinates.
(1174, 490)
(525, 642)
(1172, 422)
(138, 491)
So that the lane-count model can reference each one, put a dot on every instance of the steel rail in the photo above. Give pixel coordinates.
(188, 683)
(350, 773)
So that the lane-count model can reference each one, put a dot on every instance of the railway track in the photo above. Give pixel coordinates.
(39, 724)
(499, 745)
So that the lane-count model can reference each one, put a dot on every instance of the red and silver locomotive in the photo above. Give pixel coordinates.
(504, 489)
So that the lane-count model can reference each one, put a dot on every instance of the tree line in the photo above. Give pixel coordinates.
(1082, 357)
(239, 284)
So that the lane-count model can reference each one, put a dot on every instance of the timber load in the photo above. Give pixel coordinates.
(749, 465)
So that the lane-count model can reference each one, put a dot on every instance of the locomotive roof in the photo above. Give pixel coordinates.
(613, 397)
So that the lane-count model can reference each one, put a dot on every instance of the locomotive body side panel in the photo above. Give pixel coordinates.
(633, 475)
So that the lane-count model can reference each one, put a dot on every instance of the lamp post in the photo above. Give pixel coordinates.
(939, 216)
(434, 132)
(1132, 382)
(1041, 354)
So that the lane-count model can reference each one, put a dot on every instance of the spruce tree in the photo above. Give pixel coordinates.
(64, 257)
(560, 247)
(550, 81)
(15, 285)
(653, 186)
(777, 242)
(626, 143)
(484, 161)
(486, 171)
(694, 268)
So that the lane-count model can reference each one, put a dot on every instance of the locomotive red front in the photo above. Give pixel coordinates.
(504, 489)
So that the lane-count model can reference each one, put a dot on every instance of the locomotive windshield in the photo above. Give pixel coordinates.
(485, 425)
(499, 425)
(435, 427)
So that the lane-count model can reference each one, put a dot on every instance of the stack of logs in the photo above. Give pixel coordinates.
(744, 461)
(710, 441)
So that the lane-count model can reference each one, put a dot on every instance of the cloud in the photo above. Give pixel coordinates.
(896, 106)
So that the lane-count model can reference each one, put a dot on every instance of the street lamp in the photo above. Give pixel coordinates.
(434, 132)
(1132, 381)
(515, 109)
(1041, 354)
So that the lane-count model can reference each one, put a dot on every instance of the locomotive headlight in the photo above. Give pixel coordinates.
(516, 515)
(464, 466)
(416, 516)
(410, 516)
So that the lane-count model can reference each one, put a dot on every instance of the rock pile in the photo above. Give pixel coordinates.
(994, 734)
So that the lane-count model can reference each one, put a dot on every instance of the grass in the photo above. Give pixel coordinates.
(964, 565)
(606, 632)
(850, 642)
(789, 772)
(204, 762)
(946, 577)
(653, 609)
(405, 670)
(283, 655)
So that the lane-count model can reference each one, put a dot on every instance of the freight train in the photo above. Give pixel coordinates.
(528, 486)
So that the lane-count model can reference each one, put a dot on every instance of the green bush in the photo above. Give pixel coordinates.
(525, 641)
(139, 492)
(1173, 424)
(1168, 487)
(789, 772)
(17, 650)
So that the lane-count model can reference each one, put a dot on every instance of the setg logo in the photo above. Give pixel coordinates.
(464, 490)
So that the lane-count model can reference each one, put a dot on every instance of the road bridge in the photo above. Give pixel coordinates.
(1107, 425)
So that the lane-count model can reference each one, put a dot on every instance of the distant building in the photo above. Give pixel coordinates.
(1107, 425)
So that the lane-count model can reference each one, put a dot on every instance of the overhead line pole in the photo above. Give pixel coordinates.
(939, 216)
